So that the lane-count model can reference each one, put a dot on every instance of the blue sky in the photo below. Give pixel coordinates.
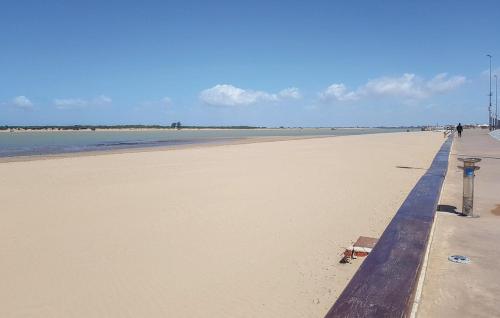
(265, 63)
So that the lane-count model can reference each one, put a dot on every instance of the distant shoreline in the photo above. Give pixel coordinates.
(92, 128)
(154, 129)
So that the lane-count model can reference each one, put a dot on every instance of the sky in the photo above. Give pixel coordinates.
(259, 63)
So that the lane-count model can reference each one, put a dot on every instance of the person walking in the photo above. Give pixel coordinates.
(459, 130)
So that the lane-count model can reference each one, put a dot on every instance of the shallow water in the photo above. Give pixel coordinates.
(56, 142)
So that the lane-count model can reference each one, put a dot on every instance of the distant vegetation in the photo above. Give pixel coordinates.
(176, 125)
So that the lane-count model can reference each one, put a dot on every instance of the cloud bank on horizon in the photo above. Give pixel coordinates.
(229, 95)
(406, 89)
(409, 86)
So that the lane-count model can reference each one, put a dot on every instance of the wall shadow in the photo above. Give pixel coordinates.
(447, 208)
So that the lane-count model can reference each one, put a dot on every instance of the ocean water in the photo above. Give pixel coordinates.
(31, 143)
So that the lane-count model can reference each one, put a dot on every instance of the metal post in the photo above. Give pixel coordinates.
(496, 101)
(489, 107)
(468, 190)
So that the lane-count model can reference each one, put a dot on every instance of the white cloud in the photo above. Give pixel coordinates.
(486, 73)
(408, 86)
(441, 83)
(21, 102)
(101, 100)
(338, 92)
(291, 92)
(229, 95)
(77, 103)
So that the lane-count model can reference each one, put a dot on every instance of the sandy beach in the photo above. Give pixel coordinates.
(239, 230)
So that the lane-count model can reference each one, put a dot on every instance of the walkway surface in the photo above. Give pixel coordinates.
(466, 290)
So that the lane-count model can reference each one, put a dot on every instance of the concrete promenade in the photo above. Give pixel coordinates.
(466, 290)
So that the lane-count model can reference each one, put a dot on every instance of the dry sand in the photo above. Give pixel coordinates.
(248, 230)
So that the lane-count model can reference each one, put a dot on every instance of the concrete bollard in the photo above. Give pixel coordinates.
(468, 190)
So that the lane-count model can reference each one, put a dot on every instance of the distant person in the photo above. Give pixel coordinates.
(459, 130)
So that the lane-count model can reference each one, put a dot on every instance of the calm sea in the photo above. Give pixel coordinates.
(56, 142)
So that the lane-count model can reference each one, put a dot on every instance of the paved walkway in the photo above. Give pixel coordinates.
(466, 290)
